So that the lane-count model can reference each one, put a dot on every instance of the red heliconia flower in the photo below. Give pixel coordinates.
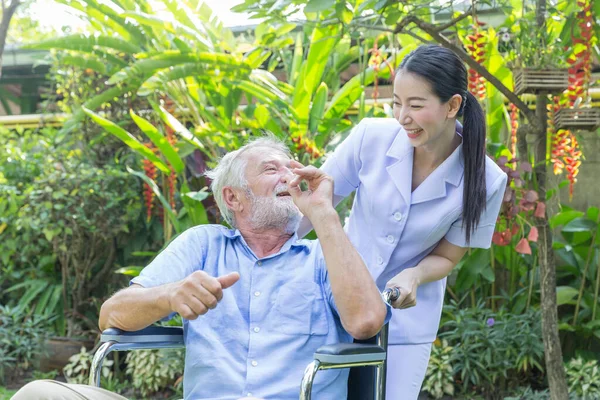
(580, 60)
(308, 146)
(514, 125)
(523, 247)
(476, 44)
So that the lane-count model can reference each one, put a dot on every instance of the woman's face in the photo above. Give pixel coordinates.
(419, 110)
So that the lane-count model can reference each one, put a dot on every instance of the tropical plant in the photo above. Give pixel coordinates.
(578, 276)
(154, 370)
(439, 378)
(79, 367)
(583, 377)
(492, 350)
(21, 338)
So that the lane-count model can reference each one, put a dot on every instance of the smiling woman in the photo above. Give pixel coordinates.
(425, 193)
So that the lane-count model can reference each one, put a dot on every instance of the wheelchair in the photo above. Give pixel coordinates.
(366, 359)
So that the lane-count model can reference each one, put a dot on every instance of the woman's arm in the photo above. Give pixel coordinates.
(437, 265)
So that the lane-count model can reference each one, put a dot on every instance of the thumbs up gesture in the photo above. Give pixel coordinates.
(198, 293)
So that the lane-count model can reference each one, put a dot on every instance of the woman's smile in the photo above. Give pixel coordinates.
(413, 133)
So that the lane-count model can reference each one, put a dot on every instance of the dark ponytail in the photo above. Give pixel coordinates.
(447, 75)
(474, 193)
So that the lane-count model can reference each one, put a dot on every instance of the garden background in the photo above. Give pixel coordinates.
(109, 126)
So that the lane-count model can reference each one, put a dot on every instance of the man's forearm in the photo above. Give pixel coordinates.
(135, 308)
(358, 300)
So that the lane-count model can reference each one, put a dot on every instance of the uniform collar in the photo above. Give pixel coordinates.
(449, 171)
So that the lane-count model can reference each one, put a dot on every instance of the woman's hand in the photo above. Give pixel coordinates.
(408, 282)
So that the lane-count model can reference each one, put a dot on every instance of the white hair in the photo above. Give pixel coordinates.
(231, 171)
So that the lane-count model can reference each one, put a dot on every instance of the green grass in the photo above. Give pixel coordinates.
(6, 394)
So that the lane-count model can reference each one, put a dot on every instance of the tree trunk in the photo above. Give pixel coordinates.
(552, 350)
(7, 14)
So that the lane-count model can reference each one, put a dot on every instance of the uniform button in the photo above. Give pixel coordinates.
(254, 363)
(379, 260)
(397, 216)
(259, 263)
(390, 239)
(257, 293)
(257, 329)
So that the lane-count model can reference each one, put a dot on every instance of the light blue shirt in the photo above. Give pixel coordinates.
(264, 332)
(394, 228)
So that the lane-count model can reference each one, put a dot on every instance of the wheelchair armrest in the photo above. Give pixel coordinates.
(344, 353)
(152, 334)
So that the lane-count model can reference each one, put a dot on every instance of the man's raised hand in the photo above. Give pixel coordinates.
(319, 196)
(198, 293)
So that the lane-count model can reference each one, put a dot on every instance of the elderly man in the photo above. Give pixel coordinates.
(256, 301)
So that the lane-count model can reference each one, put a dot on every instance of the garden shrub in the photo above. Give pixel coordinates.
(155, 370)
(493, 350)
(21, 339)
(583, 378)
(79, 366)
(439, 378)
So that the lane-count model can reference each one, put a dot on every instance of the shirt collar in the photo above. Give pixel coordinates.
(291, 242)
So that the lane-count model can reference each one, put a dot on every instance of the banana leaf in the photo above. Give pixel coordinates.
(159, 141)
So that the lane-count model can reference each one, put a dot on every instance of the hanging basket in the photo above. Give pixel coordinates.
(577, 119)
(540, 81)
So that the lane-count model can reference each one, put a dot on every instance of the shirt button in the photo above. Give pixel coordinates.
(379, 260)
(390, 239)
(397, 216)
(254, 363)
(257, 293)
(257, 329)
(259, 263)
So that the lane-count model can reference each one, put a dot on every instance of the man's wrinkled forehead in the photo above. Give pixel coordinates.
(257, 157)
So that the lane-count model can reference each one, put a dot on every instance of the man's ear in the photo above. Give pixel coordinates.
(232, 199)
(454, 105)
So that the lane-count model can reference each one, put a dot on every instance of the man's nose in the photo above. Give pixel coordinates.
(286, 175)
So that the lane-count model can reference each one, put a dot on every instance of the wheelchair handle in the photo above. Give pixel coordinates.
(390, 295)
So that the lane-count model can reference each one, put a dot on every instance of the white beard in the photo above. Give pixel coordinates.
(274, 212)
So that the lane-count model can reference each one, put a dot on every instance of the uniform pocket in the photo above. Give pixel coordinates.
(300, 310)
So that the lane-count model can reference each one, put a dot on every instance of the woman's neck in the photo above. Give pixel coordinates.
(431, 155)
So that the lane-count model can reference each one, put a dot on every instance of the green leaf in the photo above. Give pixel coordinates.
(565, 294)
(159, 141)
(177, 126)
(175, 28)
(580, 225)
(193, 204)
(564, 217)
(129, 140)
(198, 196)
(85, 62)
(593, 213)
(318, 5)
(323, 41)
(85, 43)
(296, 60)
(129, 270)
(318, 107)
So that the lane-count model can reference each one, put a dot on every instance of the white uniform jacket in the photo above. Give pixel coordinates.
(394, 228)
